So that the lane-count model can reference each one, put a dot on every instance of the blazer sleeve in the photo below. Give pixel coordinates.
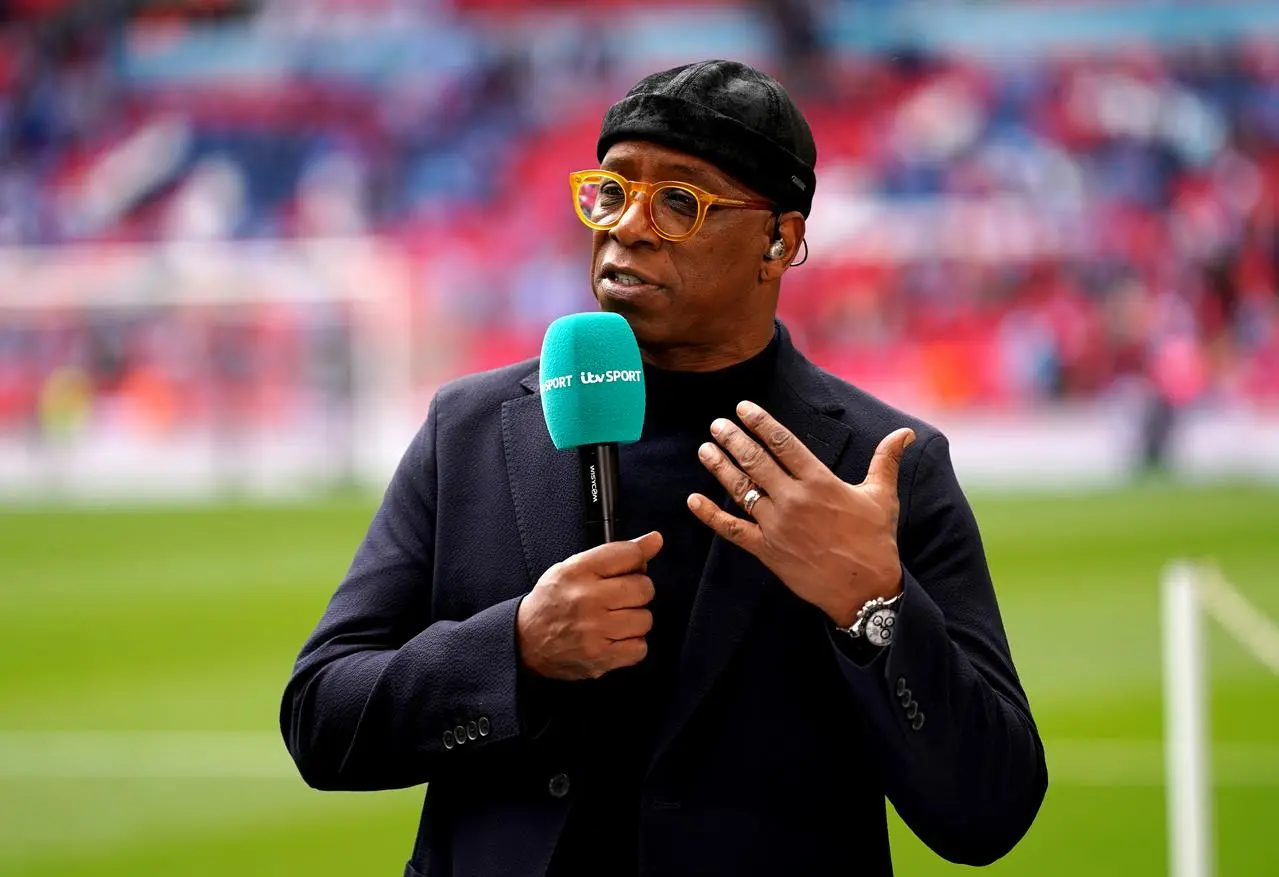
(380, 694)
(959, 754)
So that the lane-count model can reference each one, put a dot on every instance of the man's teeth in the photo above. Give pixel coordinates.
(624, 279)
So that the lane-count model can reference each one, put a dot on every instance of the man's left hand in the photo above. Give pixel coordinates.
(833, 543)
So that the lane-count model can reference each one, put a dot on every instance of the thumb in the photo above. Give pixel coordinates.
(886, 463)
(650, 543)
(623, 556)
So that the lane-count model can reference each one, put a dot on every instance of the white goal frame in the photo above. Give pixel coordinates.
(1190, 590)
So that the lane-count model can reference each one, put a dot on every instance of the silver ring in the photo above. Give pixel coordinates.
(751, 497)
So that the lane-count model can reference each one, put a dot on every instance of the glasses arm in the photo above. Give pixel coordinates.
(716, 201)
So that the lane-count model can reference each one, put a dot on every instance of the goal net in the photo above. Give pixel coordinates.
(201, 369)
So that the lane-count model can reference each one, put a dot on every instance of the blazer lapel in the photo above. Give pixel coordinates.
(545, 485)
(734, 581)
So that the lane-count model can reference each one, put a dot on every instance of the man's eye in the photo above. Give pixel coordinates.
(611, 193)
(680, 201)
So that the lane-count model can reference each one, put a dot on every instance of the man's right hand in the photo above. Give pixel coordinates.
(586, 615)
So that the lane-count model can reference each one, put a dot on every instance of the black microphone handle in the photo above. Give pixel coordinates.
(600, 488)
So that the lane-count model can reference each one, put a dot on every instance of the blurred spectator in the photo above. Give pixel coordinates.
(1008, 232)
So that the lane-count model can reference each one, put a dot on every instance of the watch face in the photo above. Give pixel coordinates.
(880, 627)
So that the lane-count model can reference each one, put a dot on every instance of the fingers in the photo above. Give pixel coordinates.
(887, 461)
(734, 480)
(628, 592)
(629, 623)
(627, 652)
(756, 462)
(780, 441)
(579, 622)
(745, 534)
(619, 558)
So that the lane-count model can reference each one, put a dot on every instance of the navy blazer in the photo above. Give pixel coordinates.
(778, 750)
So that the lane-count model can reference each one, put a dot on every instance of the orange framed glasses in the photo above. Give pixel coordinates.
(675, 210)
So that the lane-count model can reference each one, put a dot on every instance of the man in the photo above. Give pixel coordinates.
(799, 623)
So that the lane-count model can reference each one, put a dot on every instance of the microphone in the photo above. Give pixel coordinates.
(592, 382)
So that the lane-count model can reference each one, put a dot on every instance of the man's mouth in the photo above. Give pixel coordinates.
(624, 278)
(616, 281)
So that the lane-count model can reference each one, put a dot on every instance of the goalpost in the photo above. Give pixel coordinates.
(1188, 590)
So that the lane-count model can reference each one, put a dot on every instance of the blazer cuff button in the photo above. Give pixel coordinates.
(558, 786)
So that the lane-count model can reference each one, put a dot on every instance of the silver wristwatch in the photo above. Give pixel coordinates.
(876, 621)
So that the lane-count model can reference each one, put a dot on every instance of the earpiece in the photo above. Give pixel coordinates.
(777, 250)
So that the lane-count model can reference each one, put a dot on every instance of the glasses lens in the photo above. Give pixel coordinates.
(600, 199)
(675, 210)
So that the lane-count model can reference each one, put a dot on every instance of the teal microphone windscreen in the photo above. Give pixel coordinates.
(592, 381)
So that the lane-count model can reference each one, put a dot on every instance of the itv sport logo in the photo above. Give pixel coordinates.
(612, 376)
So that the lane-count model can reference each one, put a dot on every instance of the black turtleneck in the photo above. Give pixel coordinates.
(657, 474)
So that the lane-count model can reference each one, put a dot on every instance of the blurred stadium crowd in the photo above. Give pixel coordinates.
(997, 228)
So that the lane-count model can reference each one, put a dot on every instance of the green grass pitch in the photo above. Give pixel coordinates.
(155, 644)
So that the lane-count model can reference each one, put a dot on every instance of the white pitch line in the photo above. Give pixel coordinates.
(143, 755)
(261, 755)
(1140, 763)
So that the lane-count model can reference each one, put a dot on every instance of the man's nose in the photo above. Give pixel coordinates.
(634, 226)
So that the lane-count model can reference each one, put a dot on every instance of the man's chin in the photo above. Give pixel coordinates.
(630, 306)
(650, 328)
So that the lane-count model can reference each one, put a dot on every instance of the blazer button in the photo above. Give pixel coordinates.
(905, 697)
(901, 685)
(483, 726)
(460, 733)
(912, 711)
(558, 786)
(449, 742)
(472, 730)
(919, 721)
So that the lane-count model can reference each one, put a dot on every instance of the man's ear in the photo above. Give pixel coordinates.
(790, 228)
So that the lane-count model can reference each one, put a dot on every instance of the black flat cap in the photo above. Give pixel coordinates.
(730, 114)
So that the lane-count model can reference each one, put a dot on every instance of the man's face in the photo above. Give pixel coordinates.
(701, 293)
